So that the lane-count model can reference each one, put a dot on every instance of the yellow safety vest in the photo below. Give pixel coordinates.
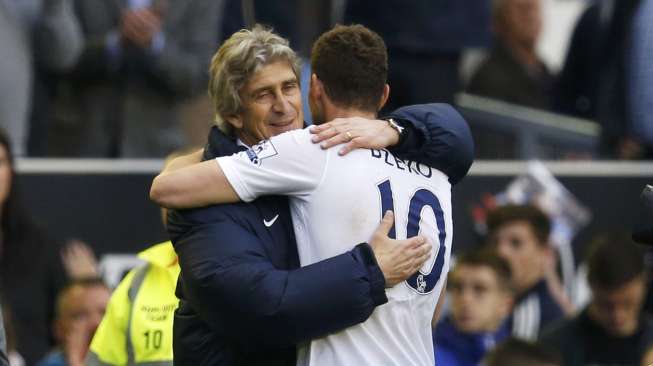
(137, 326)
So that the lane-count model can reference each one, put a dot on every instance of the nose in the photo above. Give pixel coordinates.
(281, 104)
(503, 249)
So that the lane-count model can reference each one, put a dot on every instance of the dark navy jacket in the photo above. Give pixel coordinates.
(244, 300)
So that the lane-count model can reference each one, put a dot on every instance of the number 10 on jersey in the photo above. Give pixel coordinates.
(422, 282)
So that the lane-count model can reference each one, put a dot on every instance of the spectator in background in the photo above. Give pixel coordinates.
(143, 304)
(80, 307)
(612, 329)
(515, 352)
(639, 139)
(513, 72)
(424, 40)
(33, 33)
(140, 60)
(138, 323)
(520, 235)
(481, 298)
(593, 81)
(31, 266)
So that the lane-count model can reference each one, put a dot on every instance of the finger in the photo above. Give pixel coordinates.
(324, 135)
(319, 128)
(386, 223)
(339, 138)
(415, 243)
(346, 149)
(419, 261)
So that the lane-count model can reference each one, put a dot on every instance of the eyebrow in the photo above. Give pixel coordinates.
(268, 87)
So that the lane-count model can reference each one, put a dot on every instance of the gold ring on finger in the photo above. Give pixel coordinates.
(349, 137)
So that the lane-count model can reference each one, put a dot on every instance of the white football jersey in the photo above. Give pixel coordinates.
(336, 203)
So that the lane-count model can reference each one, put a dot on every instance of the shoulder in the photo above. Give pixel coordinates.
(208, 214)
(561, 331)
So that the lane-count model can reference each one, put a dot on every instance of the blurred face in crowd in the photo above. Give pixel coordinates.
(80, 311)
(271, 104)
(479, 303)
(617, 310)
(520, 20)
(516, 242)
(5, 174)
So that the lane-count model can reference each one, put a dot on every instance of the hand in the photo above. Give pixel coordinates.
(139, 26)
(398, 259)
(355, 132)
(79, 260)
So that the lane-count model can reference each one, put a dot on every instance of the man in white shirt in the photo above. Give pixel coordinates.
(346, 196)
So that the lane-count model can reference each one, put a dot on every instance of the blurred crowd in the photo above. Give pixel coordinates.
(127, 79)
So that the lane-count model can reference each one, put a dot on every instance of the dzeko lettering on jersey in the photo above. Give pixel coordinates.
(260, 151)
(400, 164)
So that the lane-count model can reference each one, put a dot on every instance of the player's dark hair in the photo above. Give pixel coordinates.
(539, 222)
(486, 257)
(515, 352)
(352, 63)
(613, 261)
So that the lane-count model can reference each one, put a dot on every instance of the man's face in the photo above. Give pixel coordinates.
(516, 242)
(478, 302)
(82, 311)
(271, 102)
(522, 19)
(617, 311)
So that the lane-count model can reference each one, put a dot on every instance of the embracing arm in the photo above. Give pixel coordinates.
(195, 185)
(232, 283)
(433, 134)
(447, 146)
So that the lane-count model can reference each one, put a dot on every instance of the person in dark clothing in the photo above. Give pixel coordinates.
(612, 329)
(593, 81)
(425, 40)
(31, 271)
(513, 72)
(244, 299)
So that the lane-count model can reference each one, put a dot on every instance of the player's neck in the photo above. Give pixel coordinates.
(338, 112)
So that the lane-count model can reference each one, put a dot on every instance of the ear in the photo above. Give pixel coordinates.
(385, 96)
(236, 121)
(316, 88)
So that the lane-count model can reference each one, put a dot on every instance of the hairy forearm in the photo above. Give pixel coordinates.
(191, 186)
(183, 161)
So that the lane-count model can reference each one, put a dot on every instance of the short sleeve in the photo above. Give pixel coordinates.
(288, 164)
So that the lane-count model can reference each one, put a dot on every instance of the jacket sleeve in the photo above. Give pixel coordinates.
(233, 285)
(439, 137)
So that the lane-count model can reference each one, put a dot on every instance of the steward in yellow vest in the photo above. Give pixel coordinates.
(137, 326)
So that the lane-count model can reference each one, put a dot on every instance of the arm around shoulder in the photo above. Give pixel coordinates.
(447, 141)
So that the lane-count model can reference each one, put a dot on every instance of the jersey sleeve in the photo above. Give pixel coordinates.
(287, 164)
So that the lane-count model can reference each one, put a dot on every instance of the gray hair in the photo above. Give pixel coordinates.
(239, 57)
